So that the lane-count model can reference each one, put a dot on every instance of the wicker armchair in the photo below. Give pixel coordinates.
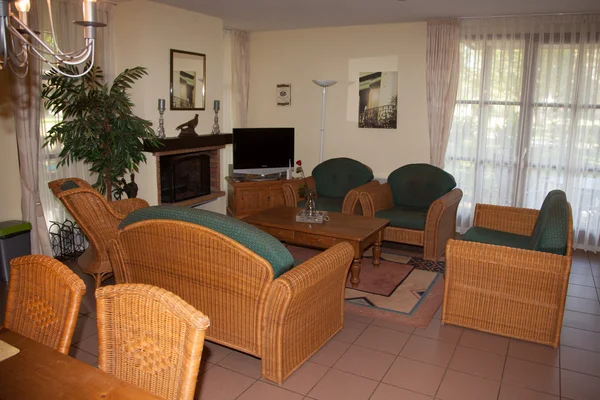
(514, 292)
(151, 338)
(421, 202)
(337, 183)
(97, 218)
(44, 296)
(281, 320)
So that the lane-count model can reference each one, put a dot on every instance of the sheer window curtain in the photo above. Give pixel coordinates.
(236, 78)
(527, 116)
(70, 37)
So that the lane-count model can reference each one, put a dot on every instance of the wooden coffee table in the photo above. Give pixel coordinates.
(360, 232)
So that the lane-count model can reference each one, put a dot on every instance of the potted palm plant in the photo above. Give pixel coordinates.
(98, 125)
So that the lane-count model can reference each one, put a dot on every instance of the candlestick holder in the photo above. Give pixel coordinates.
(161, 127)
(215, 129)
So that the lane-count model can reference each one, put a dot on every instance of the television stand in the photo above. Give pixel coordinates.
(257, 177)
(245, 198)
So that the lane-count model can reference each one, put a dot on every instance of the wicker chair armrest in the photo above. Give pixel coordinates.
(376, 198)
(290, 190)
(440, 224)
(352, 197)
(506, 219)
(304, 309)
(126, 206)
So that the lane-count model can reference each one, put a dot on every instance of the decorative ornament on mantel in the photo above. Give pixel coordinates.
(160, 132)
(216, 107)
(187, 128)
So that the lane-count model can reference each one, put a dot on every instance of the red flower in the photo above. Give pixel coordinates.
(299, 162)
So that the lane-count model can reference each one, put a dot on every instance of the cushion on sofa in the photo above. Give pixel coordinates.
(550, 233)
(247, 235)
(498, 238)
(419, 185)
(326, 203)
(405, 217)
(337, 176)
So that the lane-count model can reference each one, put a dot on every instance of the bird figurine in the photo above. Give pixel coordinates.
(187, 128)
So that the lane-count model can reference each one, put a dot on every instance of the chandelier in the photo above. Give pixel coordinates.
(18, 40)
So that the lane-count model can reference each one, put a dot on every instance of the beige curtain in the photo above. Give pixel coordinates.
(26, 108)
(443, 39)
(237, 76)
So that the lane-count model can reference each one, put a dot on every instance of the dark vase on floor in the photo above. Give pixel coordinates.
(131, 188)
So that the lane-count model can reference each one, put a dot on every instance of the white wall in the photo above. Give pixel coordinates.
(145, 32)
(10, 199)
(299, 56)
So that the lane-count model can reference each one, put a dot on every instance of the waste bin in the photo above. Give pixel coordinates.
(15, 241)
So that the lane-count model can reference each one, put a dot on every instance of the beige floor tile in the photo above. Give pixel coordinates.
(428, 350)
(205, 366)
(262, 391)
(85, 328)
(365, 362)
(478, 362)
(89, 345)
(583, 292)
(330, 353)
(582, 305)
(531, 375)
(582, 280)
(436, 330)
(242, 363)
(579, 360)
(415, 376)
(509, 392)
(219, 383)
(534, 352)
(396, 326)
(580, 339)
(459, 386)
(357, 317)
(382, 339)
(304, 378)
(340, 385)
(214, 353)
(438, 313)
(83, 356)
(578, 386)
(351, 331)
(484, 341)
(387, 392)
(580, 269)
(595, 270)
(579, 320)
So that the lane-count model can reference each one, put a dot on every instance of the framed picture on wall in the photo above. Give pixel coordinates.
(188, 80)
(378, 100)
(284, 94)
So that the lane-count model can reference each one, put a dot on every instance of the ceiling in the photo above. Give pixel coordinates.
(268, 15)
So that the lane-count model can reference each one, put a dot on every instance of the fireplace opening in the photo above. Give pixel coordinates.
(184, 177)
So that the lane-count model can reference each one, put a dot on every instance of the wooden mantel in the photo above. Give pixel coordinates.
(209, 144)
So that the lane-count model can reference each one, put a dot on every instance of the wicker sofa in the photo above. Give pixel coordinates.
(337, 182)
(510, 273)
(421, 201)
(97, 218)
(241, 278)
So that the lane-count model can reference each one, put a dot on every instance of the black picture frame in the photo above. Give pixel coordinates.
(187, 80)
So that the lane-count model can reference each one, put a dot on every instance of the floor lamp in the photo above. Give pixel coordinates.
(324, 85)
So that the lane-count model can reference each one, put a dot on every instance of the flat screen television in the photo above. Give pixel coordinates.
(262, 151)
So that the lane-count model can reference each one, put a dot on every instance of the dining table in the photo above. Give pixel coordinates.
(40, 372)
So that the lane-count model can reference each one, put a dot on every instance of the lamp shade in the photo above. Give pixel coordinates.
(324, 82)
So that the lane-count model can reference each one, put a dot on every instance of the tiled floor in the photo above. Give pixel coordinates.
(378, 360)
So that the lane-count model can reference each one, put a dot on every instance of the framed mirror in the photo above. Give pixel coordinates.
(188, 80)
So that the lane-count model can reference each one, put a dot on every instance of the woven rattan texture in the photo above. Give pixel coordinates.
(150, 337)
(97, 218)
(283, 321)
(44, 296)
(506, 291)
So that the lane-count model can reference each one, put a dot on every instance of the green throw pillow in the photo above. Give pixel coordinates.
(337, 176)
(419, 185)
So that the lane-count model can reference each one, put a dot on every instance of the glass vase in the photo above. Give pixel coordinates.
(311, 205)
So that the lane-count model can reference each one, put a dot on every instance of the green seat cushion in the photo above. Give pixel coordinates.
(498, 238)
(419, 185)
(405, 217)
(68, 185)
(337, 176)
(247, 235)
(326, 204)
(550, 233)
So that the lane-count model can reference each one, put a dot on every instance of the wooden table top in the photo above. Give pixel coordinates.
(39, 372)
(341, 226)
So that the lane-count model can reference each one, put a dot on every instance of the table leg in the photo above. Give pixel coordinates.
(355, 272)
(377, 254)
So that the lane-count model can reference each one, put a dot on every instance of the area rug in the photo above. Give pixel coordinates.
(395, 291)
